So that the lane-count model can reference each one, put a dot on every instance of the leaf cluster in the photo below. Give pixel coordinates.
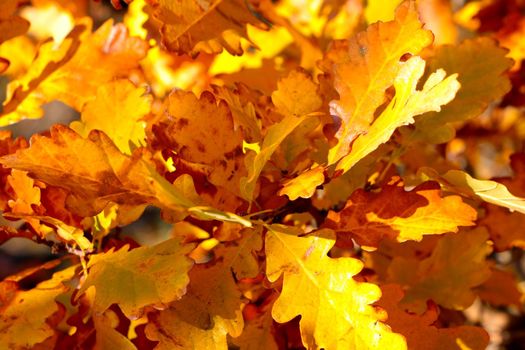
(333, 175)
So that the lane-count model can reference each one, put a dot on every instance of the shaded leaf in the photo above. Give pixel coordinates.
(457, 265)
(145, 276)
(482, 81)
(257, 334)
(190, 26)
(297, 95)
(420, 331)
(501, 289)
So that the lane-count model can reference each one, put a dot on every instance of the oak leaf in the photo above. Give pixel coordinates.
(405, 105)
(211, 308)
(127, 105)
(107, 336)
(303, 185)
(140, 277)
(73, 72)
(482, 81)
(190, 26)
(23, 317)
(257, 334)
(215, 147)
(489, 191)
(364, 66)
(449, 275)
(369, 217)
(177, 329)
(420, 331)
(335, 310)
(94, 171)
(297, 98)
(297, 95)
(26, 193)
(505, 227)
(8, 145)
(501, 289)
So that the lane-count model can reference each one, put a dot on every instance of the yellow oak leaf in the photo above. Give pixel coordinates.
(335, 310)
(489, 191)
(406, 104)
(23, 316)
(176, 328)
(145, 276)
(211, 308)
(73, 72)
(482, 81)
(303, 185)
(364, 66)
(369, 217)
(420, 331)
(449, 275)
(190, 26)
(127, 105)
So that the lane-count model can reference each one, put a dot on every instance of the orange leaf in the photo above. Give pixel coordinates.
(94, 172)
(191, 26)
(419, 330)
(73, 72)
(369, 217)
(11, 25)
(501, 289)
(214, 146)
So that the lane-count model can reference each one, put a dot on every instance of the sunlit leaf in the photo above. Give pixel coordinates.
(335, 309)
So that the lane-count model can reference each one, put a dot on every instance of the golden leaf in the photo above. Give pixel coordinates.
(335, 310)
